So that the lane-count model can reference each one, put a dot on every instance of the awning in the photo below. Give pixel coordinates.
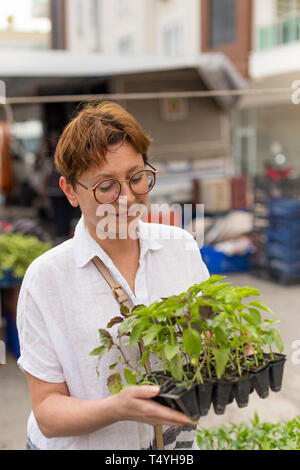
(215, 69)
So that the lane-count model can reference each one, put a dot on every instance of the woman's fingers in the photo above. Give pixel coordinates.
(143, 391)
(136, 404)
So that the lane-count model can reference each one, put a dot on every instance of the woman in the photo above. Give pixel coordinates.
(64, 299)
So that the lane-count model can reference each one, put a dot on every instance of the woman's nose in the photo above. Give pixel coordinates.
(127, 192)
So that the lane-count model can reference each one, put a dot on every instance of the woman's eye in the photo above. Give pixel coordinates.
(137, 179)
(104, 189)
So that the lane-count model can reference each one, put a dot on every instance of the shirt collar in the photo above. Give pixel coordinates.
(85, 247)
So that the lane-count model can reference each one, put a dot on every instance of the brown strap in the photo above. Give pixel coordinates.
(120, 294)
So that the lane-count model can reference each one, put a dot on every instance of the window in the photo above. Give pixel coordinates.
(95, 6)
(222, 22)
(286, 8)
(125, 46)
(124, 6)
(285, 29)
(79, 18)
(173, 40)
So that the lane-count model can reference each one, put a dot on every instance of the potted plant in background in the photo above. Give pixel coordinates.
(202, 339)
(17, 251)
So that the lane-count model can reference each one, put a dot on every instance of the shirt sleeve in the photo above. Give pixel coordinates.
(38, 355)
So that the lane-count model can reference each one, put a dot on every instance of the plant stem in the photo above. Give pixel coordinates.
(198, 370)
(238, 361)
(125, 358)
(208, 364)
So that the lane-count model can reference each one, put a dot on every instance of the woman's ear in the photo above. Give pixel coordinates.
(67, 188)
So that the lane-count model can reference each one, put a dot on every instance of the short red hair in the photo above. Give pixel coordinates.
(85, 140)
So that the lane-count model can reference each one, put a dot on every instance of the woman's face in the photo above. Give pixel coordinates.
(119, 218)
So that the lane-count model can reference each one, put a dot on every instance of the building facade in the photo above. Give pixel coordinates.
(138, 46)
(134, 27)
(266, 127)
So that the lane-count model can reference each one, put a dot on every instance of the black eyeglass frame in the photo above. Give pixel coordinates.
(93, 189)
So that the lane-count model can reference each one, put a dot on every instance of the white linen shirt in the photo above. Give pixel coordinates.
(63, 302)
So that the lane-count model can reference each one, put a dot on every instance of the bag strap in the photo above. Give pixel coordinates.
(123, 299)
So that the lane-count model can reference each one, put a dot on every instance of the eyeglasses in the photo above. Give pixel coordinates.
(108, 191)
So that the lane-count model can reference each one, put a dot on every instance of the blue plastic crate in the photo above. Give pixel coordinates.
(8, 279)
(286, 269)
(219, 263)
(282, 225)
(283, 252)
(286, 208)
(11, 335)
(285, 238)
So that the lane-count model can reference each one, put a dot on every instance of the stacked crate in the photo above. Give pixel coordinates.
(283, 239)
(276, 229)
(261, 195)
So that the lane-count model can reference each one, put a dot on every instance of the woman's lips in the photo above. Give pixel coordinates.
(124, 215)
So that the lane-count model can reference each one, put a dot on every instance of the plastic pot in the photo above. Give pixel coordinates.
(261, 380)
(222, 394)
(204, 393)
(181, 399)
(276, 367)
(242, 389)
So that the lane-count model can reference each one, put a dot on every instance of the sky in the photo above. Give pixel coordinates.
(23, 20)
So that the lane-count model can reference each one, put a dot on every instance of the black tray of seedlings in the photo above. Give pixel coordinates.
(196, 400)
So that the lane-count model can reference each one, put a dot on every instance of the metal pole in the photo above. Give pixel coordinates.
(146, 96)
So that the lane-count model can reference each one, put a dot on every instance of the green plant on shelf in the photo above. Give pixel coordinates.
(254, 436)
(17, 251)
(207, 332)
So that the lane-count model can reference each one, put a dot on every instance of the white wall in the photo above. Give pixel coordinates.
(264, 12)
(80, 20)
(276, 61)
(187, 14)
(141, 20)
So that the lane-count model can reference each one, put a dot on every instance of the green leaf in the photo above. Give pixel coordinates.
(192, 341)
(145, 357)
(98, 351)
(221, 334)
(256, 316)
(171, 351)
(124, 311)
(130, 377)
(112, 366)
(105, 338)
(273, 336)
(254, 335)
(255, 421)
(114, 383)
(248, 290)
(152, 332)
(221, 358)
(126, 326)
(258, 304)
(176, 368)
(138, 309)
(215, 278)
(135, 336)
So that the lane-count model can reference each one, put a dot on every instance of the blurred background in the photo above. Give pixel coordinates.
(213, 83)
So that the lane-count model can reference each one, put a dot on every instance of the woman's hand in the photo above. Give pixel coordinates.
(134, 404)
(59, 415)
